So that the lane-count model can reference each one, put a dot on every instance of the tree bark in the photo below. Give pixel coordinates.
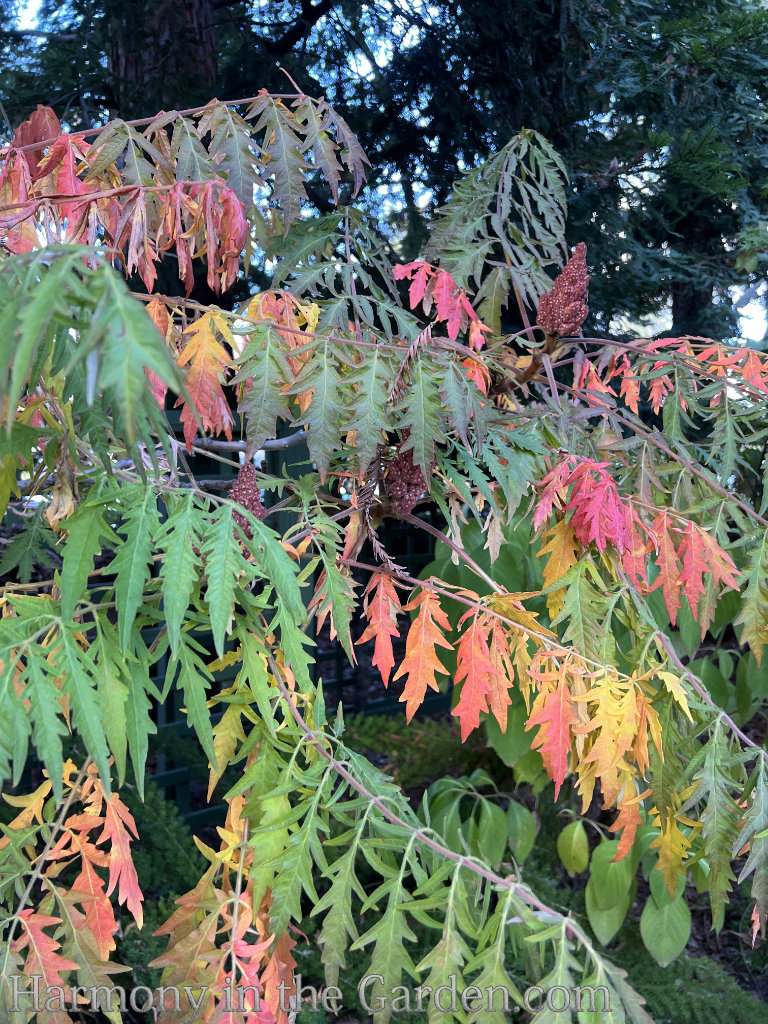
(162, 55)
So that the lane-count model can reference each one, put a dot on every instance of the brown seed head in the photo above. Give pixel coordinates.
(246, 492)
(565, 309)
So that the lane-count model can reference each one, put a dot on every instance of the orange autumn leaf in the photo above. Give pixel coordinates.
(206, 360)
(382, 610)
(118, 827)
(480, 677)
(666, 560)
(553, 713)
(659, 388)
(421, 661)
(629, 818)
(42, 956)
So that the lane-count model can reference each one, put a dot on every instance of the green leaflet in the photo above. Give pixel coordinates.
(113, 693)
(138, 724)
(447, 959)
(231, 150)
(194, 678)
(255, 671)
(134, 555)
(755, 832)
(304, 848)
(263, 370)
(277, 567)
(390, 957)
(753, 616)
(283, 148)
(180, 542)
(325, 415)
(49, 727)
(315, 120)
(584, 610)
(719, 819)
(338, 923)
(81, 316)
(371, 379)
(77, 668)
(516, 200)
(29, 548)
(192, 161)
(120, 342)
(422, 414)
(86, 529)
(466, 403)
(224, 563)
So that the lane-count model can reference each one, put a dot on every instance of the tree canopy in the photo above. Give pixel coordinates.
(657, 109)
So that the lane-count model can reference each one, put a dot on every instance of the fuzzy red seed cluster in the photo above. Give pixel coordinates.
(565, 308)
(246, 492)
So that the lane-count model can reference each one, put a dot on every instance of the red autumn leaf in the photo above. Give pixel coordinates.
(382, 610)
(553, 713)
(446, 300)
(42, 126)
(142, 254)
(421, 661)
(666, 560)
(118, 827)
(694, 567)
(206, 359)
(162, 320)
(633, 557)
(704, 562)
(478, 673)
(599, 514)
(418, 283)
(587, 379)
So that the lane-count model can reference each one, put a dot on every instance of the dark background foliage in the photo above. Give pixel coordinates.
(657, 108)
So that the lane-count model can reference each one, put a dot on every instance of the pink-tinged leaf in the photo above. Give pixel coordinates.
(478, 372)
(206, 360)
(659, 388)
(553, 713)
(43, 126)
(633, 558)
(99, 914)
(419, 285)
(552, 490)
(42, 956)
(118, 827)
(694, 567)
(477, 332)
(599, 514)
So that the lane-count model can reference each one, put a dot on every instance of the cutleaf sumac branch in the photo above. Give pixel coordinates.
(602, 511)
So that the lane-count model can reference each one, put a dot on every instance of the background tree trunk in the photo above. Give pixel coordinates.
(165, 49)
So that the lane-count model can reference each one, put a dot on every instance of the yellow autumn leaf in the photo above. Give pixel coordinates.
(675, 686)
